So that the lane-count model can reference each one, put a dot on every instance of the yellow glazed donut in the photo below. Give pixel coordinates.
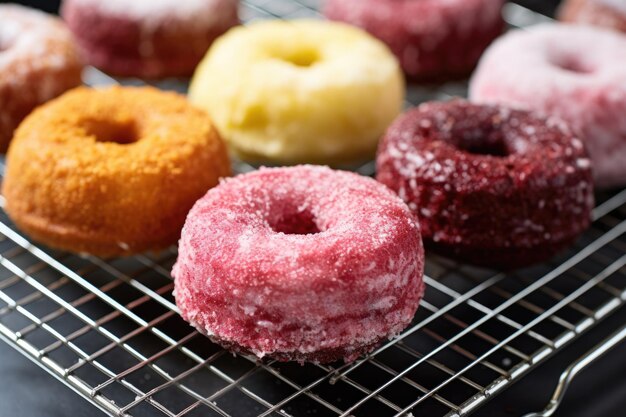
(299, 91)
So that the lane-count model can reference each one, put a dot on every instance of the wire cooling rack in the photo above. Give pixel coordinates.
(110, 329)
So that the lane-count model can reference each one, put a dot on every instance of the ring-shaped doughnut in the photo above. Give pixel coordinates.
(286, 92)
(301, 263)
(111, 172)
(491, 186)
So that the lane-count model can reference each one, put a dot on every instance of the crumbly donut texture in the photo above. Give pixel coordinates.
(301, 263)
(111, 172)
(299, 91)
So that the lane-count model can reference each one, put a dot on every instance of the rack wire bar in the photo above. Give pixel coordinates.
(110, 330)
(575, 368)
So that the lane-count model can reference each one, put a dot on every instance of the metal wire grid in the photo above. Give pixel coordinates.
(110, 329)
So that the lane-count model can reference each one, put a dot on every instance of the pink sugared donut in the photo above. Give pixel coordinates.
(433, 39)
(148, 39)
(577, 73)
(302, 263)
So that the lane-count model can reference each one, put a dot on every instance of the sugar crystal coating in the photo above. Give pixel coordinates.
(300, 263)
(490, 185)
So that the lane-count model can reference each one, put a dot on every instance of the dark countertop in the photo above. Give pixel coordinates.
(28, 391)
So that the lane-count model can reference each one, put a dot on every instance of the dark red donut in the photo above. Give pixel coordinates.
(433, 39)
(491, 186)
(148, 39)
(606, 13)
(301, 263)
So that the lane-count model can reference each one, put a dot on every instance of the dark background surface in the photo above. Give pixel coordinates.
(51, 6)
(26, 390)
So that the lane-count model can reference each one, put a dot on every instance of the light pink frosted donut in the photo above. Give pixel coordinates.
(574, 72)
(301, 263)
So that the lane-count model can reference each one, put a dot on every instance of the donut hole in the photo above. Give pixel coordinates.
(295, 223)
(120, 132)
(571, 63)
(490, 149)
(487, 145)
(305, 57)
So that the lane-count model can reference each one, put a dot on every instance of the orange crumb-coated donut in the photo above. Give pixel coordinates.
(111, 172)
